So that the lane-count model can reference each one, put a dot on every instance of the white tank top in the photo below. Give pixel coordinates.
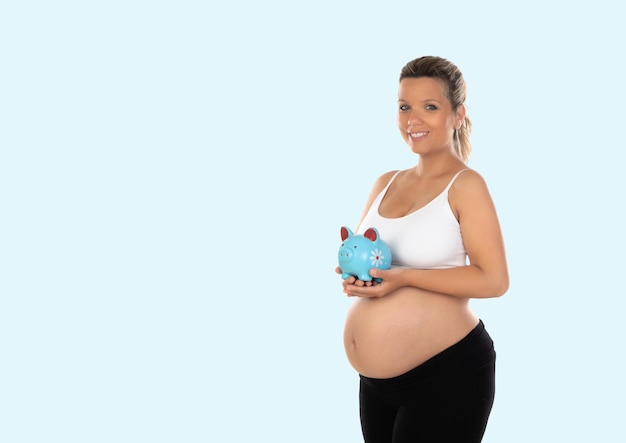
(429, 238)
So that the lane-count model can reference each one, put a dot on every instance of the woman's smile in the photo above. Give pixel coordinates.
(416, 136)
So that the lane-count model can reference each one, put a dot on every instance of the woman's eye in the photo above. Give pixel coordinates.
(404, 107)
(431, 107)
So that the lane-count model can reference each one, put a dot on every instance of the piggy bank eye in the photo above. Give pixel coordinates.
(354, 246)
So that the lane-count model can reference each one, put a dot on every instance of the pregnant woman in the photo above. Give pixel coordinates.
(425, 360)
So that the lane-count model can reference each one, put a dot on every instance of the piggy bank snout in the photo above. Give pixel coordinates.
(345, 254)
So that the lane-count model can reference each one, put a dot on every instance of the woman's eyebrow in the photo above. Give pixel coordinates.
(425, 100)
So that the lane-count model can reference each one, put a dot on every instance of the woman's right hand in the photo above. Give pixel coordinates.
(352, 280)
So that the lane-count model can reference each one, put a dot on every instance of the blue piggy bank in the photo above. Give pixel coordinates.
(360, 253)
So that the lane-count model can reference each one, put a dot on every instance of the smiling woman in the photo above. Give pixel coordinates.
(426, 362)
(425, 115)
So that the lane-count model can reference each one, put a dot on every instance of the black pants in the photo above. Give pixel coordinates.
(447, 399)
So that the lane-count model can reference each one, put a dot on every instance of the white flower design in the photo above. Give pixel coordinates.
(377, 257)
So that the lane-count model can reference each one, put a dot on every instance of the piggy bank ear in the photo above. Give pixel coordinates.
(371, 234)
(345, 233)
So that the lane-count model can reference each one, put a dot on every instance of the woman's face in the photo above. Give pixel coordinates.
(425, 116)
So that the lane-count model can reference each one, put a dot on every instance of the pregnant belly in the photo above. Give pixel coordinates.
(385, 337)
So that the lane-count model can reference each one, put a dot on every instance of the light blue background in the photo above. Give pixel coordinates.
(173, 176)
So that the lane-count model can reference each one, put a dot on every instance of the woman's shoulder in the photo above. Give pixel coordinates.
(387, 176)
(469, 176)
(383, 180)
(468, 184)
(381, 183)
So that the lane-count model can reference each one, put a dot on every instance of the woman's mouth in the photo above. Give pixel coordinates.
(417, 135)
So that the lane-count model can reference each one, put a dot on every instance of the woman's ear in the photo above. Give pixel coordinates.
(460, 117)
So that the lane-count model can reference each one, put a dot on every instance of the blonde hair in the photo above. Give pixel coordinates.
(456, 92)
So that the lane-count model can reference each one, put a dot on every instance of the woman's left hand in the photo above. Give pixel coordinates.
(392, 280)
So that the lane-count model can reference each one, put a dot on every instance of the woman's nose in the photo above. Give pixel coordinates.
(413, 119)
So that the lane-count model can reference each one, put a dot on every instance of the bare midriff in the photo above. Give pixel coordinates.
(388, 336)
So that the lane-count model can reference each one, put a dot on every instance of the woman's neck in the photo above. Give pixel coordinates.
(434, 167)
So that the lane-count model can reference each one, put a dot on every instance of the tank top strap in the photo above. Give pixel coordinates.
(381, 194)
(393, 177)
(445, 191)
(453, 179)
